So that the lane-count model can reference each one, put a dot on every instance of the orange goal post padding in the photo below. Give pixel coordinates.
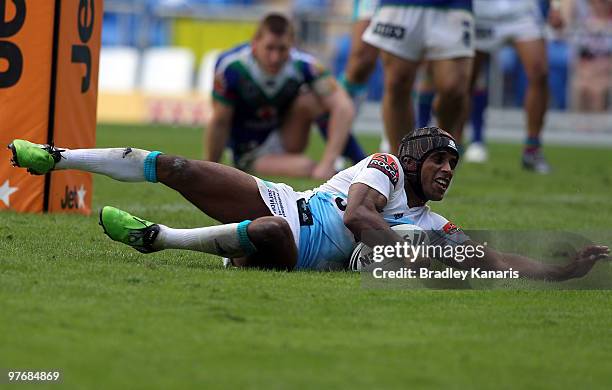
(49, 57)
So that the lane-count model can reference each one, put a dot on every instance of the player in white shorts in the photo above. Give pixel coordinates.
(520, 23)
(410, 31)
(270, 225)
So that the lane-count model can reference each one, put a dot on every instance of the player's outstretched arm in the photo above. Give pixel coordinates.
(578, 266)
(362, 214)
(218, 130)
(342, 113)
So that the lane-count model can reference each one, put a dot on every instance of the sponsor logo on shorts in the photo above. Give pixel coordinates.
(388, 30)
(467, 33)
(387, 165)
(275, 203)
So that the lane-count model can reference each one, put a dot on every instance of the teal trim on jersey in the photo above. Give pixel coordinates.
(150, 167)
(243, 238)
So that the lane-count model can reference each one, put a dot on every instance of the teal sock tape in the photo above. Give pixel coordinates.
(243, 238)
(150, 168)
(353, 89)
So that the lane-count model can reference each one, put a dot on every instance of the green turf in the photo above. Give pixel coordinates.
(110, 317)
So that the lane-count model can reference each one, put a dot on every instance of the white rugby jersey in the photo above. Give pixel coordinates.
(383, 173)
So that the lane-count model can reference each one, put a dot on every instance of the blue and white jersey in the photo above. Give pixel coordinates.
(260, 100)
(327, 243)
(444, 4)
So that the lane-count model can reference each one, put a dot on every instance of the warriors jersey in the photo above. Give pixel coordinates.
(260, 100)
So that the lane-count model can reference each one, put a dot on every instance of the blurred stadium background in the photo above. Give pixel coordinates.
(145, 38)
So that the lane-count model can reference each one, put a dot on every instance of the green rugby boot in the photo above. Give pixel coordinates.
(37, 159)
(124, 227)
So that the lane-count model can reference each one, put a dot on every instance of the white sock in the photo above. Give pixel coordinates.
(123, 164)
(228, 240)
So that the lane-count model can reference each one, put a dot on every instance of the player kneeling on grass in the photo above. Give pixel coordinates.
(266, 96)
(269, 225)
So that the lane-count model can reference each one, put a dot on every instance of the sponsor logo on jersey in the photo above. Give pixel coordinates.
(450, 228)
(267, 113)
(388, 30)
(304, 213)
(387, 165)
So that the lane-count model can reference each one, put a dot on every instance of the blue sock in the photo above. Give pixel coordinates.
(480, 101)
(532, 144)
(425, 101)
(352, 150)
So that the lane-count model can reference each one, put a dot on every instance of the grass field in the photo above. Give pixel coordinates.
(109, 317)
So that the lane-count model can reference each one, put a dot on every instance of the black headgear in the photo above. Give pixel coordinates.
(414, 149)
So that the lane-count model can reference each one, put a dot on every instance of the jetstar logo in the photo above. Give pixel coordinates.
(387, 165)
(73, 198)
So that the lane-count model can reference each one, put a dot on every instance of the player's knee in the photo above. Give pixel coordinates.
(397, 85)
(537, 74)
(307, 106)
(452, 92)
(270, 230)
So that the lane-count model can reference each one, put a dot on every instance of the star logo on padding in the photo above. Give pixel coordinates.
(81, 196)
(5, 192)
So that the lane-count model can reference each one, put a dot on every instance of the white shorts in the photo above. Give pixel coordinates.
(493, 33)
(417, 33)
(272, 145)
(322, 240)
(281, 200)
(364, 9)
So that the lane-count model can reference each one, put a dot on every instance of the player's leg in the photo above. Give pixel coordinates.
(360, 65)
(451, 80)
(426, 94)
(224, 193)
(533, 56)
(477, 151)
(282, 153)
(397, 110)
(266, 242)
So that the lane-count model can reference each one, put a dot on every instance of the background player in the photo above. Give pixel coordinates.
(520, 23)
(409, 31)
(266, 97)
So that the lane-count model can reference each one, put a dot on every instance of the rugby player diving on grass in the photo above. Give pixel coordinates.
(269, 225)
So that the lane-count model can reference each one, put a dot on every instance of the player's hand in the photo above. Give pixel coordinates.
(323, 172)
(585, 259)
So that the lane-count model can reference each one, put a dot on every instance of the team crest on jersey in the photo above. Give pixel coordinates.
(387, 165)
(267, 113)
(450, 228)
